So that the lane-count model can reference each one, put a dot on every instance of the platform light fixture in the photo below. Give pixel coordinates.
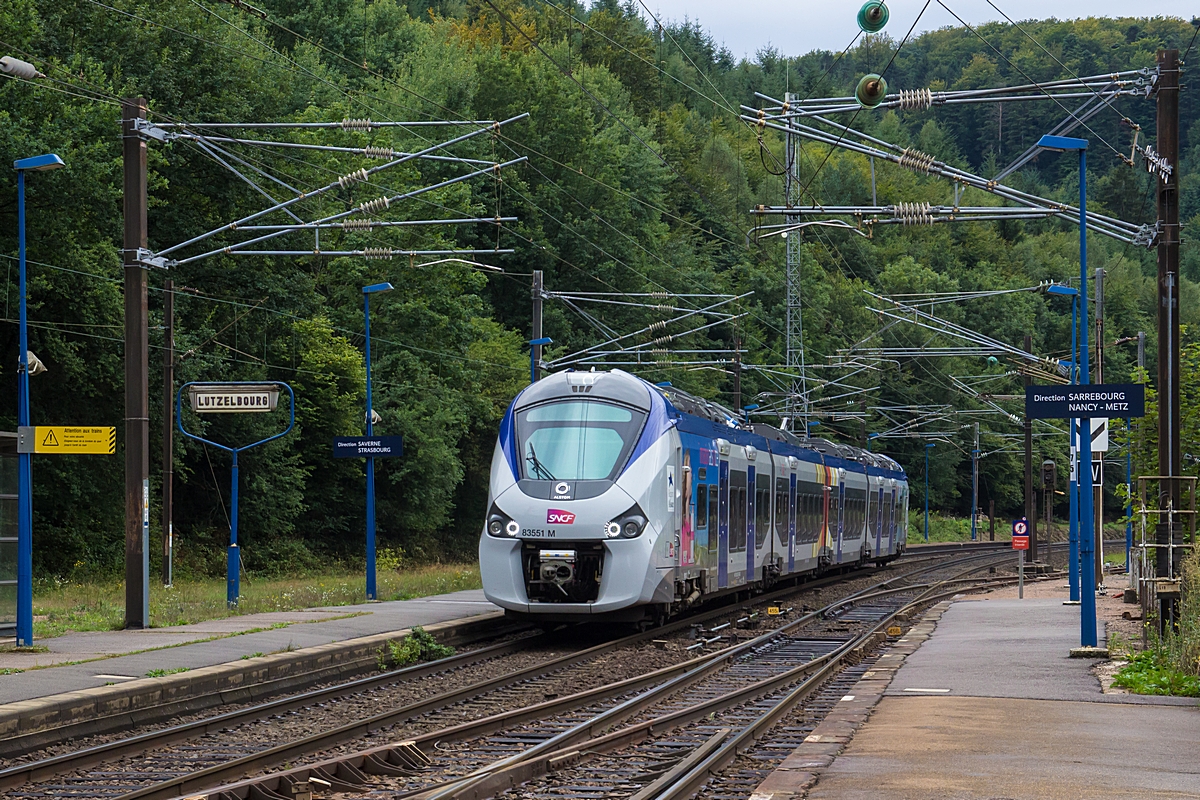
(1087, 544)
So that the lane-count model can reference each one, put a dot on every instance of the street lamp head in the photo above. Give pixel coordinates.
(931, 444)
(543, 340)
(38, 163)
(1061, 144)
(1058, 288)
(377, 287)
(872, 435)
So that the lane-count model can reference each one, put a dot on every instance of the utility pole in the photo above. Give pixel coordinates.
(1097, 455)
(975, 485)
(168, 454)
(1030, 500)
(991, 520)
(137, 356)
(538, 292)
(1167, 134)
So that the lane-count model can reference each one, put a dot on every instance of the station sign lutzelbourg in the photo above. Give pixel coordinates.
(1081, 402)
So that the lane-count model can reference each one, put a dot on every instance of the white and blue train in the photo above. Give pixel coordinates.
(612, 498)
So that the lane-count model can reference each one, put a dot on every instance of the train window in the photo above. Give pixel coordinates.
(577, 439)
(737, 519)
(701, 474)
(702, 506)
(713, 514)
(762, 510)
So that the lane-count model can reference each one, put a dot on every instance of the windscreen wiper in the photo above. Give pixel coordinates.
(539, 470)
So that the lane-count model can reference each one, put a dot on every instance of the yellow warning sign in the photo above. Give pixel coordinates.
(772, 611)
(67, 440)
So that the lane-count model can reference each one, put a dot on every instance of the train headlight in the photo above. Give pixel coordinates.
(629, 525)
(500, 524)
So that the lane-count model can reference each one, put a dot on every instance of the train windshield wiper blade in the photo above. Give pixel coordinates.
(539, 469)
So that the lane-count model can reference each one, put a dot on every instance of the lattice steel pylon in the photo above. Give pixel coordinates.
(797, 405)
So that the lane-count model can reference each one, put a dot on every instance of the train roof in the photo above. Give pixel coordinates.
(624, 387)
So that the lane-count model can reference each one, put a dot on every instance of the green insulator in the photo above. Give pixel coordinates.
(872, 16)
(993, 361)
(871, 91)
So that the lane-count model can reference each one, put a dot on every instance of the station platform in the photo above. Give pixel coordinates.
(981, 701)
(131, 676)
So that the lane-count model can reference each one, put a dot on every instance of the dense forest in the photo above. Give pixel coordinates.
(640, 177)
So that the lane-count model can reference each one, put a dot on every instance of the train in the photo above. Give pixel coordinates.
(615, 499)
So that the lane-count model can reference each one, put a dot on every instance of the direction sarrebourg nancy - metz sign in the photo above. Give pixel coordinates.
(223, 398)
(1080, 402)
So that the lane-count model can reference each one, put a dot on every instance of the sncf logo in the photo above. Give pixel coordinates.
(557, 516)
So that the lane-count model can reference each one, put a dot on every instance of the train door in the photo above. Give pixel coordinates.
(891, 521)
(723, 527)
(762, 521)
(676, 511)
(841, 519)
(792, 525)
(738, 503)
(752, 532)
(879, 517)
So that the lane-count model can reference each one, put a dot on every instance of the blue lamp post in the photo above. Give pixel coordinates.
(746, 411)
(535, 344)
(1087, 595)
(1073, 484)
(870, 438)
(367, 292)
(42, 163)
(928, 447)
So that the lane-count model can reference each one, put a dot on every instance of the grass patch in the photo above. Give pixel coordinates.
(949, 529)
(100, 606)
(162, 673)
(1170, 665)
(1153, 672)
(417, 646)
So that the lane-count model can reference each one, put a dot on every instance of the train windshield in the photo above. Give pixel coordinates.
(577, 440)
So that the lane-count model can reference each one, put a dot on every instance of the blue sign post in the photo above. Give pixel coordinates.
(234, 397)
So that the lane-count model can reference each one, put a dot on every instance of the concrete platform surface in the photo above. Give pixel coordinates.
(954, 748)
(1008, 648)
(115, 656)
(982, 702)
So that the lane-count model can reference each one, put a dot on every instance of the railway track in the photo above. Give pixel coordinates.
(244, 737)
(484, 756)
(208, 752)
